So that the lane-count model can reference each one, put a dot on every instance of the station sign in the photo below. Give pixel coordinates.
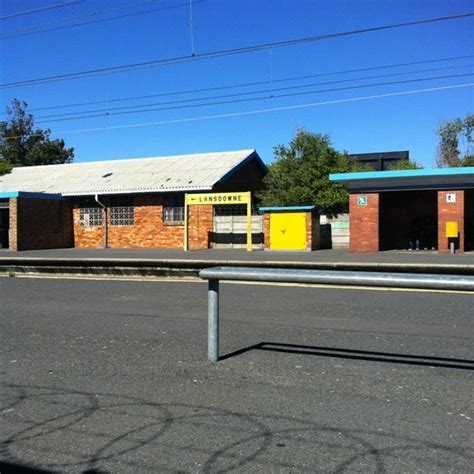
(451, 198)
(218, 198)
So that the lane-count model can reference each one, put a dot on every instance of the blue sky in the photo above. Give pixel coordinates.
(399, 122)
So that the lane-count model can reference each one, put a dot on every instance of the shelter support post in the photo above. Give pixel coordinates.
(249, 226)
(186, 244)
(213, 320)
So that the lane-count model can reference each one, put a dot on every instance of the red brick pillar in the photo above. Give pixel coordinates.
(450, 209)
(266, 230)
(13, 231)
(200, 225)
(364, 222)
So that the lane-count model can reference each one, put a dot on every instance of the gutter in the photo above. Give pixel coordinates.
(106, 226)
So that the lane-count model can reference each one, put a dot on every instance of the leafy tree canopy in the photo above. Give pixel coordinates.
(21, 144)
(455, 143)
(300, 174)
(405, 165)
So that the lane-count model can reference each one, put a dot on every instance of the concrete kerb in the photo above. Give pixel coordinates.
(191, 267)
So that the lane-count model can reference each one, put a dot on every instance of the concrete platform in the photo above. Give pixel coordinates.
(143, 262)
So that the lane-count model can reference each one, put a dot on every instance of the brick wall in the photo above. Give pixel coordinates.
(266, 230)
(149, 230)
(39, 224)
(450, 211)
(13, 230)
(200, 226)
(364, 223)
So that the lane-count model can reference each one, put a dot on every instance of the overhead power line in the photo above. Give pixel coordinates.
(261, 111)
(258, 83)
(34, 29)
(42, 9)
(254, 99)
(272, 90)
(227, 52)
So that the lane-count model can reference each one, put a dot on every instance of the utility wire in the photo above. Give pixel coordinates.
(258, 83)
(253, 99)
(227, 52)
(14, 34)
(42, 9)
(191, 26)
(240, 94)
(261, 111)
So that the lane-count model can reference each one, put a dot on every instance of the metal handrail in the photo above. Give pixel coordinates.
(367, 279)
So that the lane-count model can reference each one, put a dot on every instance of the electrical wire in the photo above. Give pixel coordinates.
(240, 94)
(260, 111)
(42, 9)
(256, 83)
(253, 99)
(227, 52)
(13, 34)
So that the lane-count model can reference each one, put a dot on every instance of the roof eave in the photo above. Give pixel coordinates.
(231, 172)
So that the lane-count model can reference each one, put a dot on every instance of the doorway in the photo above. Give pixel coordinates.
(4, 227)
(408, 220)
(469, 220)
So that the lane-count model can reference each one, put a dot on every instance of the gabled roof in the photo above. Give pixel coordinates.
(198, 172)
(405, 180)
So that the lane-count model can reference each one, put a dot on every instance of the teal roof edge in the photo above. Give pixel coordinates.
(288, 208)
(25, 194)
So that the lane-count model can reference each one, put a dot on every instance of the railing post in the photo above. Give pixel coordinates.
(213, 320)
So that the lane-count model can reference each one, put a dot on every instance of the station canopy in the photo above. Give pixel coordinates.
(407, 180)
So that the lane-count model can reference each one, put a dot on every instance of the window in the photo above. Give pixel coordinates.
(90, 213)
(173, 209)
(122, 212)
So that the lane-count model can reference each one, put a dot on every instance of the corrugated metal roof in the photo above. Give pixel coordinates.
(198, 172)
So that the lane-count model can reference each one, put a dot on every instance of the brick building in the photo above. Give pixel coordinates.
(122, 203)
(411, 209)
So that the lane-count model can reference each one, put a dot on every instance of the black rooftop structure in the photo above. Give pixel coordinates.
(381, 161)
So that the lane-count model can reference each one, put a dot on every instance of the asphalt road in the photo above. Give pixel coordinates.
(112, 376)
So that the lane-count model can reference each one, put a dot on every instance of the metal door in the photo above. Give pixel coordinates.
(288, 231)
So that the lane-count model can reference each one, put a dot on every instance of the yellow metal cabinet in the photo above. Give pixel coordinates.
(288, 231)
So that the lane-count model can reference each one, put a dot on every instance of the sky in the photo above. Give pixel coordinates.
(43, 38)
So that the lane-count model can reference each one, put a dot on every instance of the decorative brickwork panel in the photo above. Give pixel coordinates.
(364, 222)
(13, 231)
(450, 209)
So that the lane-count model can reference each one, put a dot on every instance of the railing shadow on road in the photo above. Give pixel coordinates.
(154, 436)
(354, 354)
(15, 468)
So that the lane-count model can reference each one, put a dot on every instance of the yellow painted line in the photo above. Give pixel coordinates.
(232, 282)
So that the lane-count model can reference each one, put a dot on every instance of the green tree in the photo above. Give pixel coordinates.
(300, 174)
(405, 165)
(21, 144)
(450, 134)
